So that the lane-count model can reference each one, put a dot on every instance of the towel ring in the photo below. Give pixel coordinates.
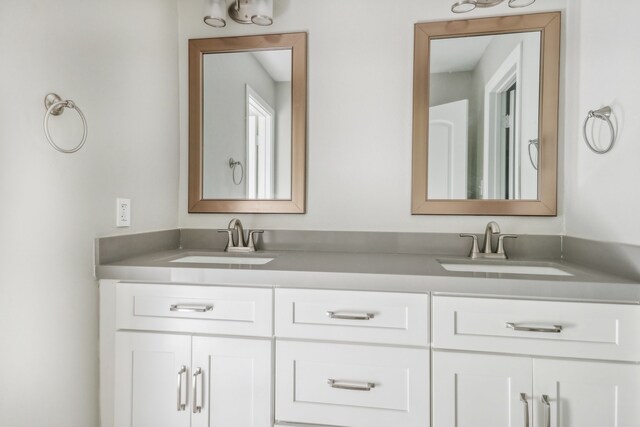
(55, 106)
(534, 143)
(232, 165)
(602, 114)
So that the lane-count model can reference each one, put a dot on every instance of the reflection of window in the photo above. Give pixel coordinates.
(260, 145)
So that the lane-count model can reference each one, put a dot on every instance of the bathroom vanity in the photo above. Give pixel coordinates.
(363, 339)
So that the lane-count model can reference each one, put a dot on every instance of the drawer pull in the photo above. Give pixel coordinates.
(350, 386)
(556, 329)
(523, 399)
(197, 408)
(350, 316)
(547, 410)
(185, 308)
(181, 372)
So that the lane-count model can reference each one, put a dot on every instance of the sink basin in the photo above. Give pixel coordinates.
(210, 259)
(544, 270)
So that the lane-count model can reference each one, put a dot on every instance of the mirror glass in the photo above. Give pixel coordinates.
(247, 125)
(483, 117)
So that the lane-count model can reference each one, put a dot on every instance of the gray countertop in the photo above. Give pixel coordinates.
(415, 273)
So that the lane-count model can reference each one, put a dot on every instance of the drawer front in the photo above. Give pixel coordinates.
(351, 385)
(194, 309)
(548, 328)
(373, 317)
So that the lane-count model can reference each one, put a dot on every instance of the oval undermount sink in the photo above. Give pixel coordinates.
(504, 268)
(210, 259)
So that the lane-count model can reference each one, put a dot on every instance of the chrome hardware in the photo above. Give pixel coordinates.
(534, 143)
(523, 399)
(181, 406)
(556, 329)
(350, 316)
(343, 385)
(547, 410)
(187, 308)
(487, 249)
(602, 114)
(55, 106)
(239, 244)
(197, 408)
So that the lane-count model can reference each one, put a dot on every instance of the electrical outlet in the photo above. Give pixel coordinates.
(123, 212)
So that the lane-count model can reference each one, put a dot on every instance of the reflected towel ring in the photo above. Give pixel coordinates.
(232, 165)
(602, 114)
(534, 143)
(55, 106)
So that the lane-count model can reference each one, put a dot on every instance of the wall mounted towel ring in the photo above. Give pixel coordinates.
(602, 114)
(233, 164)
(534, 143)
(55, 106)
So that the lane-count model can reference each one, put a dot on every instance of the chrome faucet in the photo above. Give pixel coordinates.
(239, 244)
(487, 249)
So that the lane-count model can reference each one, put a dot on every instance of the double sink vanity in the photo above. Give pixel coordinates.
(193, 335)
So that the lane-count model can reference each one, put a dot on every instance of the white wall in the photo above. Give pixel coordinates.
(602, 197)
(360, 109)
(117, 59)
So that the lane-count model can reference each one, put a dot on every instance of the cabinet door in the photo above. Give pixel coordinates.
(236, 382)
(147, 372)
(586, 394)
(476, 390)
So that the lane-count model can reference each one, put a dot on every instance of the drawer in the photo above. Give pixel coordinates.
(351, 385)
(372, 317)
(194, 309)
(547, 328)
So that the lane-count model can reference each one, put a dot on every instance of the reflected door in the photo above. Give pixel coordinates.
(448, 128)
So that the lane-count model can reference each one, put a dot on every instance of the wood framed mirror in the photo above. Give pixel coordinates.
(485, 116)
(248, 124)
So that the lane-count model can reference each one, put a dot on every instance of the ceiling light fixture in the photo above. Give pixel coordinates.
(463, 6)
(259, 12)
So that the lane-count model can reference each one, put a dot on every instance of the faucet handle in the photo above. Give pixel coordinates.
(251, 243)
(230, 242)
(501, 243)
(474, 246)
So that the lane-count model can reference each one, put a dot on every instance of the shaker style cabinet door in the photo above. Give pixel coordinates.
(150, 372)
(231, 383)
(586, 394)
(476, 390)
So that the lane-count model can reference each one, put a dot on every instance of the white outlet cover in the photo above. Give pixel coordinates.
(123, 212)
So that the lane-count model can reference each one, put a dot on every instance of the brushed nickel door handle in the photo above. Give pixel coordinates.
(555, 329)
(350, 316)
(181, 372)
(343, 385)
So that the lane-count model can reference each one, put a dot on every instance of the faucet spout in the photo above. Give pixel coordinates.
(236, 225)
(492, 228)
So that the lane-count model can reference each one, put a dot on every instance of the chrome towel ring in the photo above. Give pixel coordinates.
(233, 164)
(534, 143)
(602, 114)
(55, 106)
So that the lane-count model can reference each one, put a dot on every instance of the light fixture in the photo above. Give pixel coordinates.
(259, 12)
(463, 6)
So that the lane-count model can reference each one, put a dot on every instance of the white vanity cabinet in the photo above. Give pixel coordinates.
(356, 359)
(173, 367)
(473, 388)
(178, 380)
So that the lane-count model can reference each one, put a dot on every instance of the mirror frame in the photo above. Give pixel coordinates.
(549, 26)
(297, 42)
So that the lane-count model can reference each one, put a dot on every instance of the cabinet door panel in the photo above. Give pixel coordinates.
(237, 374)
(476, 390)
(587, 394)
(146, 384)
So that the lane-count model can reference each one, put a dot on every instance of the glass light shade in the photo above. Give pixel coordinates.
(520, 3)
(463, 6)
(215, 13)
(262, 12)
